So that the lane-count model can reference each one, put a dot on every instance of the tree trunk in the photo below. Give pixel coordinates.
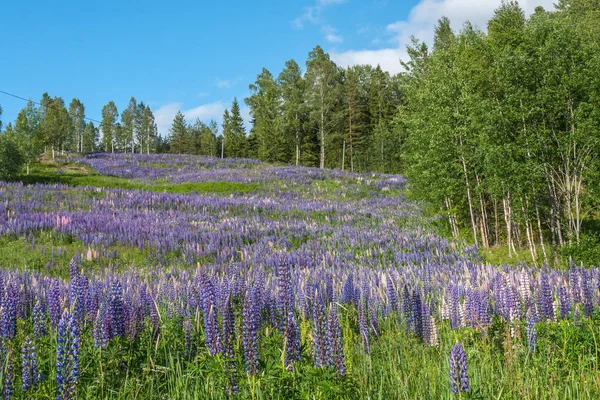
(496, 233)
(528, 233)
(297, 146)
(508, 221)
(451, 218)
(343, 155)
(470, 200)
(541, 233)
(484, 223)
(322, 128)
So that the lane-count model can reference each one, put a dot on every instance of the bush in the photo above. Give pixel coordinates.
(11, 159)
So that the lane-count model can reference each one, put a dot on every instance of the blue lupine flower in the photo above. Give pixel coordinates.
(250, 331)
(459, 380)
(319, 331)
(228, 336)
(117, 309)
(29, 375)
(531, 333)
(67, 357)
(291, 340)
(335, 344)
(39, 321)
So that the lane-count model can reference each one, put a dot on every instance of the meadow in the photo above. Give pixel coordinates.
(127, 276)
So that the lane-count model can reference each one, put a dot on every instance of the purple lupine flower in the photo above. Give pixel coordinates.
(54, 304)
(454, 302)
(190, 343)
(319, 331)
(29, 375)
(67, 357)
(285, 300)
(335, 344)
(482, 308)
(363, 328)
(6, 368)
(564, 302)
(392, 295)
(291, 340)
(545, 298)
(211, 331)
(250, 332)
(574, 283)
(78, 291)
(97, 330)
(8, 314)
(373, 320)
(39, 321)
(228, 336)
(531, 332)
(417, 314)
(459, 380)
(588, 299)
(406, 308)
(117, 309)
(348, 290)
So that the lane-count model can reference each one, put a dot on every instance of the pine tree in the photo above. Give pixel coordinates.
(178, 134)
(234, 133)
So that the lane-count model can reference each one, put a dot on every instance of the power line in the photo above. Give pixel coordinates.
(42, 105)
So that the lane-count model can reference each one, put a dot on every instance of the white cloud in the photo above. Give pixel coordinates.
(206, 111)
(227, 83)
(165, 114)
(331, 34)
(312, 15)
(164, 117)
(421, 23)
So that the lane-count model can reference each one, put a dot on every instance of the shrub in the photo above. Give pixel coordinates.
(11, 159)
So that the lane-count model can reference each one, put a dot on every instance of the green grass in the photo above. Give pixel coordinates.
(72, 174)
(43, 257)
(563, 366)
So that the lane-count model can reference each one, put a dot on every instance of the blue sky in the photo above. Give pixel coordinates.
(195, 56)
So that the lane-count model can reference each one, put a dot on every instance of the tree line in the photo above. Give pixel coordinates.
(49, 126)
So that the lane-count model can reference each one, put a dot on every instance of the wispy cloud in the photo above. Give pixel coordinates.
(421, 23)
(313, 16)
(227, 83)
(309, 15)
(331, 34)
(164, 115)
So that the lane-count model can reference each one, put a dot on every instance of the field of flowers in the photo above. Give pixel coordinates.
(316, 284)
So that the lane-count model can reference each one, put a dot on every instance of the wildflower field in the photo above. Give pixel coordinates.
(188, 277)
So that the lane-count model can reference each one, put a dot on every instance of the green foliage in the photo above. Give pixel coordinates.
(11, 159)
(234, 133)
(178, 134)
(108, 126)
